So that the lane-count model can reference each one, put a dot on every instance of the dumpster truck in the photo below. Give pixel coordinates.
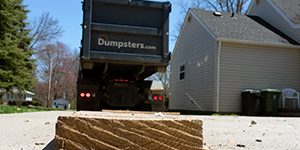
(123, 43)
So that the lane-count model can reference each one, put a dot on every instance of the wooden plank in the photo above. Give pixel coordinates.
(140, 112)
(127, 131)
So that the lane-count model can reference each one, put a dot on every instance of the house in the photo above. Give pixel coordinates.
(26, 96)
(283, 15)
(217, 55)
(61, 103)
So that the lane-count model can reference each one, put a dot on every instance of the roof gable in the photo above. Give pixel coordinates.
(287, 9)
(190, 14)
(290, 8)
(241, 27)
(60, 100)
(2, 90)
(273, 29)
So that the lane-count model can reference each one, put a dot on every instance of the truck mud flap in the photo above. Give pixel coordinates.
(88, 105)
(158, 106)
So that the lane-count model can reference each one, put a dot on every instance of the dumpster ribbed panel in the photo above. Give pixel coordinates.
(255, 67)
(196, 48)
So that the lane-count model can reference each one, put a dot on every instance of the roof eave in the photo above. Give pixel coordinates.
(190, 12)
(278, 10)
(27, 92)
(258, 43)
(249, 7)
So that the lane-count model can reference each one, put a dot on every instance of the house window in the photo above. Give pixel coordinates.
(189, 19)
(182, 71)
(257, 2)
(8, 96)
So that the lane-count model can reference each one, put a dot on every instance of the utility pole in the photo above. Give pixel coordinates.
(49, 85)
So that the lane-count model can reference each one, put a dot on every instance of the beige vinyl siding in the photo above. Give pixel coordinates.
(196, 47)
(268, 13)
(255, 67)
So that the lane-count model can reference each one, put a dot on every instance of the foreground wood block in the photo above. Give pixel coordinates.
(127, 131)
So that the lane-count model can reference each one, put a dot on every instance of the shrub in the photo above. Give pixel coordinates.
(73, 104)
(1, 98)
(25, 103)
(34, 103)
(12, 102)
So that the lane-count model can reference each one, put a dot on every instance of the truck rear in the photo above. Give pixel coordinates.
(123, 43)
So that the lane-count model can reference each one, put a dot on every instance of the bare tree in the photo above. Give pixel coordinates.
(164, 78)
(65, 76)
(44, 28)
(40, 90)
(50, 55)
(197, 4)
(183, 7)
(230, 6)
(57, 67)
(18, 95)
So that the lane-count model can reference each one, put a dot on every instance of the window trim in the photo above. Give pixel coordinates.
(257, 2)
(184, 71)
(190, 19)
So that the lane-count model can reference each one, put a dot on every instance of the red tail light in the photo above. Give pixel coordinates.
(82, 94)
(160, 97)
(121, 80)
(88, 95)
(155, 97)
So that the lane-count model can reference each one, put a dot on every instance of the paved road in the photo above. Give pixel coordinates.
(270, 133)
(30, 131)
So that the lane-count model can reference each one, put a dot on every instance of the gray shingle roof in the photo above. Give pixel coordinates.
(241, 27)
(291, 8)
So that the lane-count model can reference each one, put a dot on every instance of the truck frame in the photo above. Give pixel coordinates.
(123, 43)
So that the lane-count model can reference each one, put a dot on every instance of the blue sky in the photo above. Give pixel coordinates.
(69, 13)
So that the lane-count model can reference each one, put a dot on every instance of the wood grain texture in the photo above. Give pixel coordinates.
(73, 132)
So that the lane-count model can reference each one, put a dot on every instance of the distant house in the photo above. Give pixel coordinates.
(217, 55)
(26, 96)
(61, 103)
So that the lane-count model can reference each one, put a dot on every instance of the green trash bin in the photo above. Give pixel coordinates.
(250, 102)
(269, 101)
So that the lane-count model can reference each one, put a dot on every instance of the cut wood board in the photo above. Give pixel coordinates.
(85, 130)
(140, 112)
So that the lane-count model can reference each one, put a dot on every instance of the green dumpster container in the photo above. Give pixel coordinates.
(269, 101)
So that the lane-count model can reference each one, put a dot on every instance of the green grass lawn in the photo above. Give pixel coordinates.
(16, 109)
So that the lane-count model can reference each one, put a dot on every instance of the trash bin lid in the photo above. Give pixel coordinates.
(270, 90)
(251, 91)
